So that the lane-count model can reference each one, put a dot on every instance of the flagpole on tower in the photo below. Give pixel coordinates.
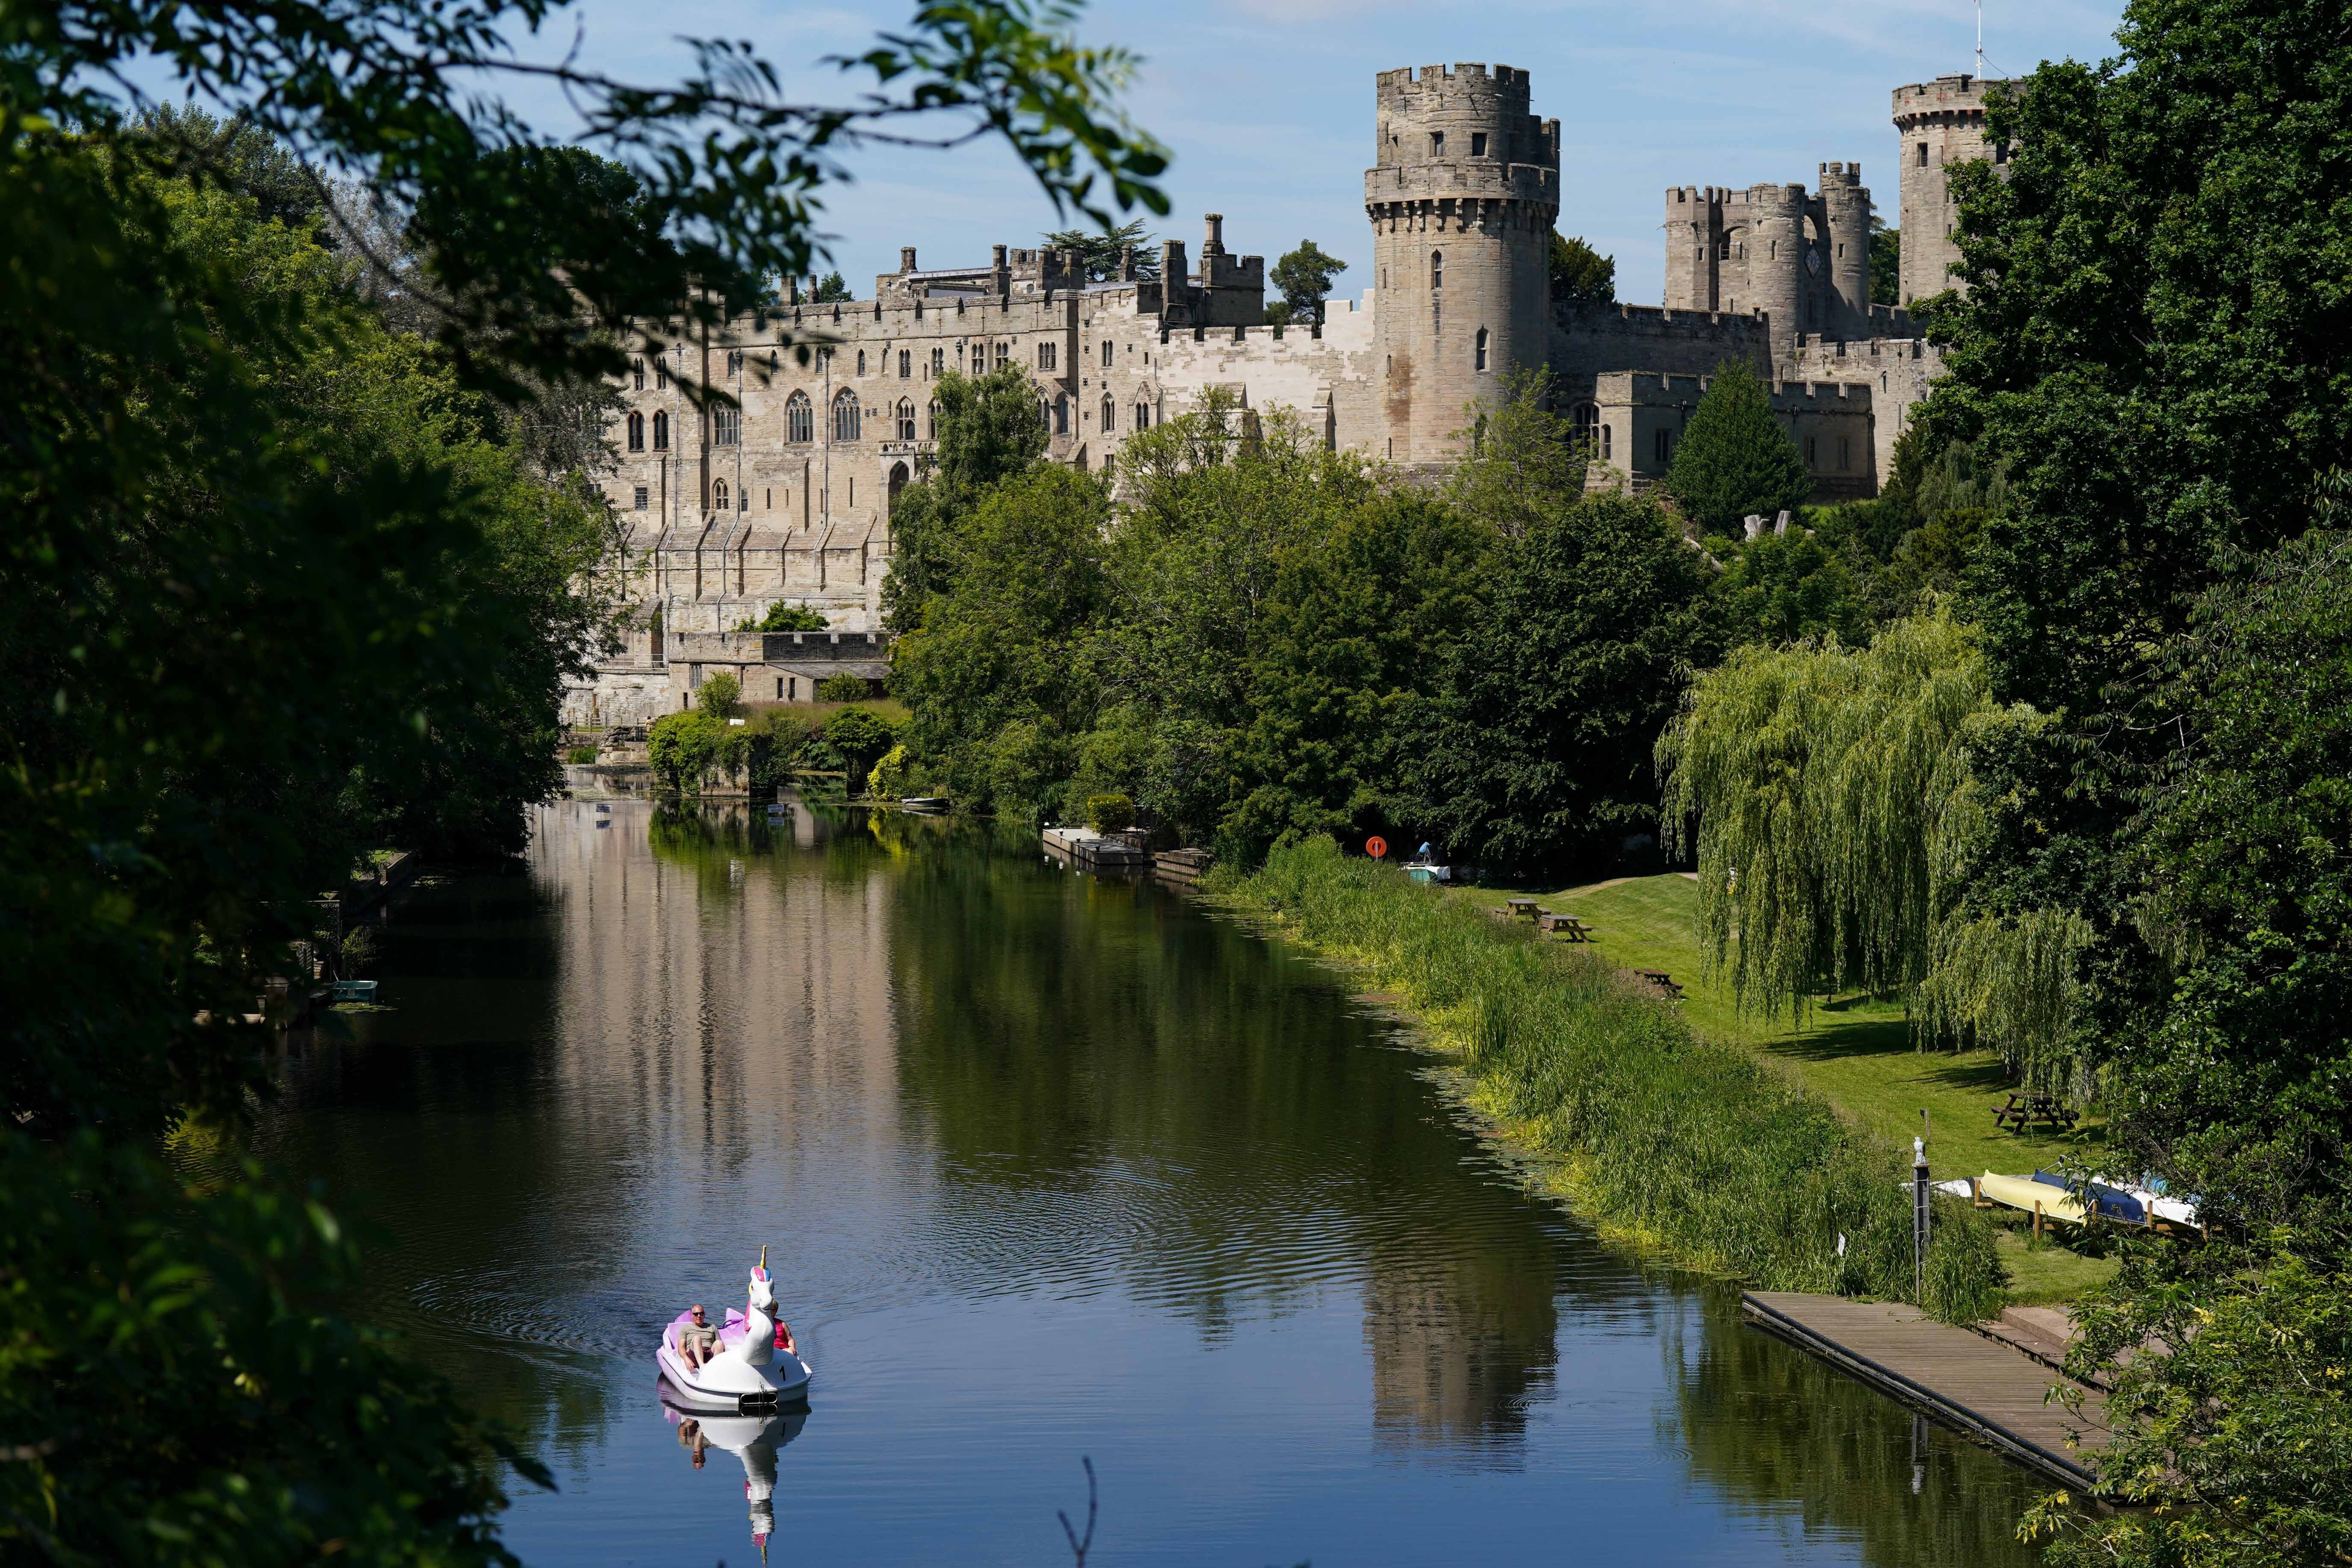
(1979, 40)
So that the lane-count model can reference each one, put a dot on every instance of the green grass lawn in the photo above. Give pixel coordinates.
(1854, 1052)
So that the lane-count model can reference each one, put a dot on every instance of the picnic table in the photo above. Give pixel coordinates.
(1567, 928)
(1663, 980)
(1521, 907)
(2022, 1107)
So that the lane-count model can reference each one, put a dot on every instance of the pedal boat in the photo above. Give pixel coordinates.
(736, 1378)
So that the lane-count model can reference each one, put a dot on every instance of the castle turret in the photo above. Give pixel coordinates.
(1942, 123)
(1779, 248)
(1845, 217)
(1461, 201)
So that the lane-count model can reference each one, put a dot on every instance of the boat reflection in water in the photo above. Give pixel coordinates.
(753, 1440)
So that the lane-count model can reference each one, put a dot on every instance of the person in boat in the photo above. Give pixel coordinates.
(698, 1341)
(690, 1439)
(785, 1338)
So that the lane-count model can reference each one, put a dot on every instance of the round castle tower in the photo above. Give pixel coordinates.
(1940, 123)
(1845, 222)
(1462, 198)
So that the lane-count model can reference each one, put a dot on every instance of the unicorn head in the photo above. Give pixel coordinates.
(763, 1293)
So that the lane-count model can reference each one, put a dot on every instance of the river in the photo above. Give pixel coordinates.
(1047, 1167)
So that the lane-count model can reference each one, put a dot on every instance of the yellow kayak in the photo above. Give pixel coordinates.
(2025, 1193)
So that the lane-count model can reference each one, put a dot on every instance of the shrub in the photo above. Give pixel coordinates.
(891, 777)
(783, 617)
(842, 689)
(583, 755)
(1109, 813)
(859, 738)
(1733, 459)
(682, 747)
(721, 697)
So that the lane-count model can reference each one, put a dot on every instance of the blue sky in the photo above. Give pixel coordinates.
(1267, 104)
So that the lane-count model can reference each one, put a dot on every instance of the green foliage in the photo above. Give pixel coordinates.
(1102, 251)
(1536, 752)
(721, 697)
(783, 617)
(1109, 813)
(889, 779)
(1686, 1145)
(842, 688)
(1787, 587)
(1581, 272)
(1527, 466)
(683, 747)
(580, 756)
(858, 739)
(989, 432)
(1304, 276)
(830, 289)
(1733, 458)
(1886, 262)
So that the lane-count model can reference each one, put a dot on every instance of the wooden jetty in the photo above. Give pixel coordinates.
(1987, 1389)
(1182, 867)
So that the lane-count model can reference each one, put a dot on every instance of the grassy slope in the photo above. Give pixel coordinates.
(1856, 1053)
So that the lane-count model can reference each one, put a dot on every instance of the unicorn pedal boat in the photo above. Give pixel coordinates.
(735, 1377)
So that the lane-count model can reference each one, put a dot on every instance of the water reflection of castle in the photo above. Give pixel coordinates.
(1458, 1347)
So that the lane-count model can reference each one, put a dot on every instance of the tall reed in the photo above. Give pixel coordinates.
(1687, 1146)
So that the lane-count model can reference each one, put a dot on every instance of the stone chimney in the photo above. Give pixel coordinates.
(1214, 243)
(1127, 264)
(792, 289)
(906, 259)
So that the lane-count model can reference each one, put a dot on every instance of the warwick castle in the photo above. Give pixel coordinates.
(787, 499)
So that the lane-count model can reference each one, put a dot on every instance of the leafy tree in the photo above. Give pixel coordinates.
(783, 617)
(273, 579)
(1886, 262)
(1102, 251)
(989, 432)
(1581, 272)
(1536, 752)
(1304, 276)
(830, 289)
(1527, 465)
(1733, 458)
(842, 689)
(721, 697)
(1783, 588)
(860, 739)
(684, 746)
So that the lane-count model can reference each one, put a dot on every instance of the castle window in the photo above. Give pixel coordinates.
(719, 495)
(1004, 354)
(726, 427)
(644, 498)
(1582, 420)
(1111, 415)
(734, 362)
(1436, 270)
(637, 375)
(1923, 155)
(1812, 451)
(1478, 143)
(1105, 353)
(1143, 417)
(939, 362)
(1846, 452)
(934, 425)
(1437, 143)
(661, 431)
(906, 364)
(1664, 445)
(1061, 417)
(906, 419)
(661, 376)
(845, 416)
(861, 361)
(1605, 442)
(637, 432)
(1044, 415)
(800, 419)
(1482, 349)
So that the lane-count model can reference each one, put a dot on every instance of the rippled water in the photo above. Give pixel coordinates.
(1046, 1167)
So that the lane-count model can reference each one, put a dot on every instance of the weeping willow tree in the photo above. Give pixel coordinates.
(1826, 794)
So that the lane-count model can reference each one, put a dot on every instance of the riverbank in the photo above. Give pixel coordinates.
(1682, 1144)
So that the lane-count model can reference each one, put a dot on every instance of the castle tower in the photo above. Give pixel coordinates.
(1462, 197)
(1941, 122)
(1845, 222)
(1779, 246)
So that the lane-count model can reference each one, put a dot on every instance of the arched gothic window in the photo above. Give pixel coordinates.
(1143, 417)
(661, 431)
(637, 375)
(1044, 414)
(906, 364)
(861, 361)
(845, 416)
(1436, 270)
(726, 427)
(906, 419)
(719, 495)
(1061, 417)
(800, 419)
(1582, 419)
(1482, 349)
(934, 425)
(637, 432)
(1111, 415)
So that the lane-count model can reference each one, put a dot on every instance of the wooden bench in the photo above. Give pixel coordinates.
(2022, 1108)
(1567, 928)
(1663, 980)
(1521, 907)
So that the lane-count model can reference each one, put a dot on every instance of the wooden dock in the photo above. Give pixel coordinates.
(1098, 851)
(1987, 1389)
